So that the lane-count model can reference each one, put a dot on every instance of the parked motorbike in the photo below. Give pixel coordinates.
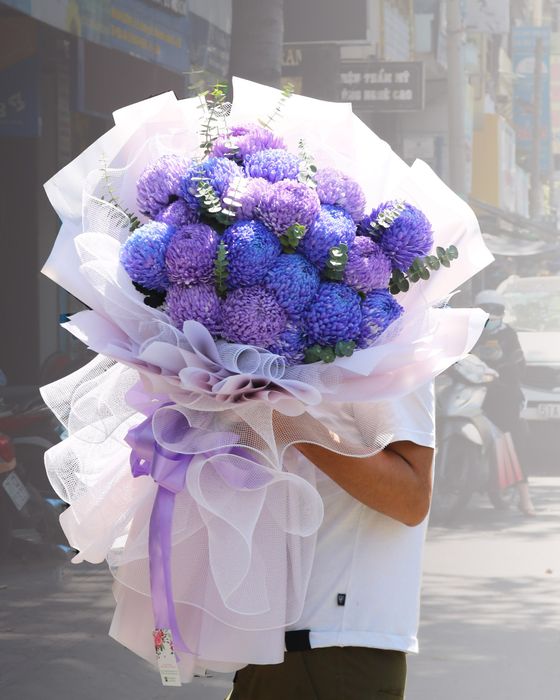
(466, 460)
(27, 518)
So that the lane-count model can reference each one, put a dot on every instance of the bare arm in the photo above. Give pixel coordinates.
(397, 481)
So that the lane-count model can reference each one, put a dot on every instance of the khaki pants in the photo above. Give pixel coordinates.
(332, 673)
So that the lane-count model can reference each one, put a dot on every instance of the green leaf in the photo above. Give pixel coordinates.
(414, 276)
(425, 273)
(433, 262)
(221, 269)
(445, 262)
(394, 289)
(344, 348)
(403, 285)
(291, 238)
(312, 354)
(328, 355)
(440, 251)
(452, 253)
(336, 263)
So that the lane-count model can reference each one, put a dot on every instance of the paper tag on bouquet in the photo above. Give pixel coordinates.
(166, 659)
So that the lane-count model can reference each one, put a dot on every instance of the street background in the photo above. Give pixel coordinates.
(490, 620)
(472, 87)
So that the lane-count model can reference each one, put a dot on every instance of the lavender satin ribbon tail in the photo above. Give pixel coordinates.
(168, 469)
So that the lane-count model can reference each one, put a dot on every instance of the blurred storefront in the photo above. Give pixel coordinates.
(65, 66)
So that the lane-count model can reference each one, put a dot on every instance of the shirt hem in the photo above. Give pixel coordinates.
(353, 638)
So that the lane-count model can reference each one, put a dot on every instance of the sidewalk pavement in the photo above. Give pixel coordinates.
(490, 620)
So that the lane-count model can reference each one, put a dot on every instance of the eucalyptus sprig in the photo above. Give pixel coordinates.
(291, 238)
(221, 269)
(213, 103)
(387, 217)
(111, 198)
(328, 353)
(422, 268)
(211, 204)
(287, 92)
(307, 168)
(336, 263)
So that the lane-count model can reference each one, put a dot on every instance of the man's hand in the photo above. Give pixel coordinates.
(397, 481)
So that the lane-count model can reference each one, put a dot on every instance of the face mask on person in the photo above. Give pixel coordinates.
(493, 324)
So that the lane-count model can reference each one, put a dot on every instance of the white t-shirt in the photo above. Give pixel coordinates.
(365, 581)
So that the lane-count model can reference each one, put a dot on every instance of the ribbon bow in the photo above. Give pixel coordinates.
(169, 470)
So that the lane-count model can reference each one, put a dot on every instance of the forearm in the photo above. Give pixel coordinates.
(396, 481)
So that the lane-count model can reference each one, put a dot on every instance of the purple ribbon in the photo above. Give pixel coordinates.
(168, 469)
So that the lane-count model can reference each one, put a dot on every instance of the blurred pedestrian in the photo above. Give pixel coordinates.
(500, 349)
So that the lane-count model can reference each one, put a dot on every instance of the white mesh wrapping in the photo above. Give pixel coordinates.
(244, 528)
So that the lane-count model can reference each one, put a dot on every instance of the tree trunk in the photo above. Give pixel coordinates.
(257, 34)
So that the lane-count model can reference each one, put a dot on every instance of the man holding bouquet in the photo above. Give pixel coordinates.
(361, 611)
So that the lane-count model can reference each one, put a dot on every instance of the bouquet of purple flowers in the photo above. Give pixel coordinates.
(263, 248)
(250, 285)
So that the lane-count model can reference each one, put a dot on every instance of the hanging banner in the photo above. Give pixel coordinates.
(523, 46)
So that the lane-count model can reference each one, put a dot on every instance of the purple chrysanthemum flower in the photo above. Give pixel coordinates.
(368, 267)
(286, 203)
(219, 172)
(273, 164)
(143, 255)
(177, 214)
(160, 184)
(407, 238)
(197, 303)
(334, 187)
(334, 315)
(248, 192)
(252, 315)
(294, 281)
(379, 310)
(244, 139)
(291, 345)
(332, 227)
(190, 254)
(252, 251)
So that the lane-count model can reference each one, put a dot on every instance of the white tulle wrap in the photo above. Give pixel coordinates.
(244, 525)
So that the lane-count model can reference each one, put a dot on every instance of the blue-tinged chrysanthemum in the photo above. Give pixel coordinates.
(252, 251)
(274, 164)
(334, 315)
(252, 315)
(197, 303)
(331, 227)
(177, 214)
(218, 172)
(291, 344)
(244, 139)
(368, 267)
(379, 310)
(160, 184)
(294, 281)
(334, 187)
(286, 203)
(409, 236)
(190, 254)
(143, 255)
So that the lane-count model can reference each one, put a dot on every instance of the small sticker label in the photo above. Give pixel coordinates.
(341, 598)
(166, 659)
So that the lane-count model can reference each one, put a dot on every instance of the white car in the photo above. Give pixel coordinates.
(533, 309)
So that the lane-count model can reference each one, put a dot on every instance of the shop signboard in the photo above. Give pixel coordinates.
(383, 86)
(154, 31)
